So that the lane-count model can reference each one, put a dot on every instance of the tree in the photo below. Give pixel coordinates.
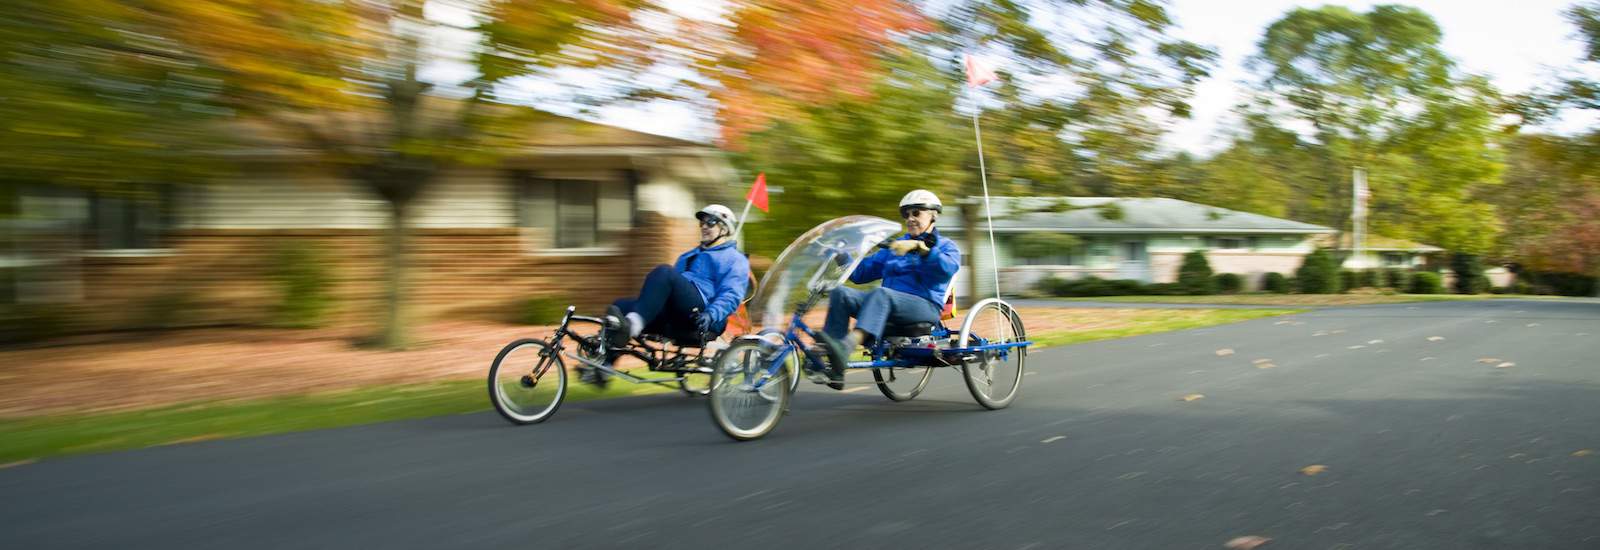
(1318, 273)
(1376, 92)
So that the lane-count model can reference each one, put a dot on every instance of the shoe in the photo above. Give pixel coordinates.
(837, 357)
(617, 330)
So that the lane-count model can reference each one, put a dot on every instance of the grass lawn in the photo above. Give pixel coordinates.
(23, 440)
(1288, 300)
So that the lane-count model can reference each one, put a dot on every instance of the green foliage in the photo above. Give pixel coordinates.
(301, 272)
(1469, 276)
(1229, 283)
(1276, 282)
(1194, 276)
(1042, 245)
(1426, 282)
(1090, 286)
(1369, 278)
(1396, 278)
(542, 310)
(1318, 273)
(1349, 280)
(23, 323)
(1562, 284)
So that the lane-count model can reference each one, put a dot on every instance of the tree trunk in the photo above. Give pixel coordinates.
(395, 254)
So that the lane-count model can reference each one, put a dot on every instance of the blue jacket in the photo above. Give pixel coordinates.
(721, 274)
(926, 276)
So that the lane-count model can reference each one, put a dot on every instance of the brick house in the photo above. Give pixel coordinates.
(580, 212)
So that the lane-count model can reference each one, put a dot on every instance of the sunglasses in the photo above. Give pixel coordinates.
(910, 212)
(709, 223)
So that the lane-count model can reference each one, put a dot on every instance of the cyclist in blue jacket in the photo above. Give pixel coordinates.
(916, 270)
(696, 295)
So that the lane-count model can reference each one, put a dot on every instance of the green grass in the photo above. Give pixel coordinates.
(1158, 321)
(40, 437)
(1287, 300)
(26, 439)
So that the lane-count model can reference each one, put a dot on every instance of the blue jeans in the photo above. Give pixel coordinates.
(665, 302)
(875, 309)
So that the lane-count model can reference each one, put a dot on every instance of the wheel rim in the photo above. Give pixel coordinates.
(528, 382)
(740, 410)
(902, 383)
(994, 376)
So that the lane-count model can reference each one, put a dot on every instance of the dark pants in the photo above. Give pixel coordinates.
(875, 309)
(666, 301)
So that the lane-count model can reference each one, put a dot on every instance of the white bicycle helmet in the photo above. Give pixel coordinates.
(716, 212)
(921, 198)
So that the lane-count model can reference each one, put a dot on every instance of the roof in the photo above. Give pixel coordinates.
(1379, 243)
(1137, 215)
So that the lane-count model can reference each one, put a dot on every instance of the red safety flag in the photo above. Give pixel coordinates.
(758, 192)
(978, 72)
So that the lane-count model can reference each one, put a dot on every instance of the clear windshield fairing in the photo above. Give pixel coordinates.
(813, 263)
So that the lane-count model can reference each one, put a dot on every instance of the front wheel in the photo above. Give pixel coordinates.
(993, 376)
(739, 408)
(527, 382)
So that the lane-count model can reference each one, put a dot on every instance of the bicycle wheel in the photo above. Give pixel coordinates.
(527, 382)
(740, 410)
(993, 376)
(902, 384)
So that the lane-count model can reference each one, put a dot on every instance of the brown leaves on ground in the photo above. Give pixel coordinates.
(1192, 397)
(17, 463)
(1435, 338)
(1488, 360)
(1224, 352)
(1583, 452)
(1246, 543)
(1313, 469)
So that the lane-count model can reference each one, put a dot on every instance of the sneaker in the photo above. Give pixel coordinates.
(617, 329)
(837, 357)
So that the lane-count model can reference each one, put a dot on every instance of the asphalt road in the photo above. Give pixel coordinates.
(1424, 441)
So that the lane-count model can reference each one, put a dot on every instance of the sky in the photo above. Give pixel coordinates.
(1520, 45)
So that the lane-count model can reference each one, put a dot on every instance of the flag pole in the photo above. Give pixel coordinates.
(742, 215)
(988, 211)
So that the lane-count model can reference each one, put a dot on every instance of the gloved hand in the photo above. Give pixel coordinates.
(841, 259)
(703, 322)
(902, 247)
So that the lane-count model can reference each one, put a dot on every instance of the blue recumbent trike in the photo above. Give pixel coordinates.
(746, 401)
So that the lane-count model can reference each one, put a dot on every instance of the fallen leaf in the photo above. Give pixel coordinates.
(1374, 342)
(1266, 366)
(1582, 452)
(1505, 365)
(1435, 338)
(1313, 469)
(1224, 352)
(1533, 324)
(1260, 361)
(1488, 360)
(31, 461)
(1426, 359)
(1192, 397)
(1357, 346)
(1246, 543)
(1340, 331)
(1281, 323)
(1320, 333)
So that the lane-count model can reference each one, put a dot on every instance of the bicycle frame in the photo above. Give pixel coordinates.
(654, 359)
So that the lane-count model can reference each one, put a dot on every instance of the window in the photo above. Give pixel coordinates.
(125, 222)
(1072, 256)
(573, 213)
(1133, 251)
(1394, 259)
(1229, 243)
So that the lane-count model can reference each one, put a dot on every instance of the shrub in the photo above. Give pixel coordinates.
(1564, 284)
(1521, 287)
(542, 310)
(302, 276)
(1426, 283)
(1194, 276)
(1469, 274)
(1370, 278)
(1229, 283)
(1396, 278)
(1275, 282)
(1349, 280)
(1318, 274)
(1125, 287)
(1164, 289)
(31, 322)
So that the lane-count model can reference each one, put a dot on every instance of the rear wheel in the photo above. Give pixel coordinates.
(739, 408)
(527, 382)
(993, 376)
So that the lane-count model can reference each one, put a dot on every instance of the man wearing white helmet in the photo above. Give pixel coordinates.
(916, 270)
(697, 294)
